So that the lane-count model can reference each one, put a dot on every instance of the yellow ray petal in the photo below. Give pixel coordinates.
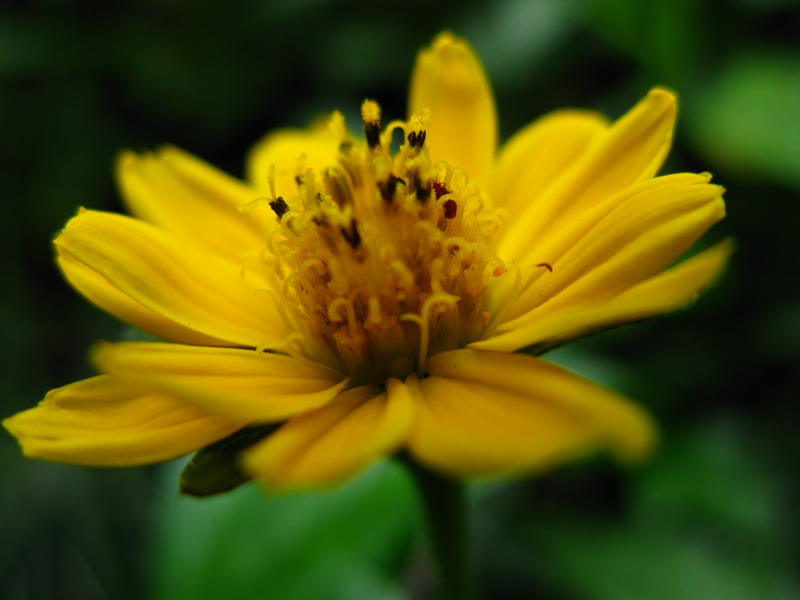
(662, 293)
(98, 290)
(105, 422)
(536, 155)
(187, 197)
(631, 150)
(240, 384)
(622, 241)
(292, 152)
(182, 284)
(449, 80)
(483, 413)
(335, 441)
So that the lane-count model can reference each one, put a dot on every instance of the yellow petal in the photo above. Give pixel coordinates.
(98, 290)
(179, 283)
(631, 150)
(449, 80)
(105, 422)
(536, 155)
(195, 201)
(292, 152)
(335, 441)
(482, 413)
(662, 293)
(622, 241)
(240, 384)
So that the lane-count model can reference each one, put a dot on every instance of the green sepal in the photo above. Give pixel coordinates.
(215, 469)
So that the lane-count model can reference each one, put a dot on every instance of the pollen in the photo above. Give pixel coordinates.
(384, 258)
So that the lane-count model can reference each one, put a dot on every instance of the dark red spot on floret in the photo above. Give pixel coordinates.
(440, 189)
(450, 209)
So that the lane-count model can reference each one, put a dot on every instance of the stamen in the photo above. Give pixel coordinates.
(377, 240)
(450, 207)
(389, 130)
(416, 139)
(275, 246)
(470, 200)
(271, 181)
(488, 223)
(249, 264)
(423, 320)
(279, 206)
(289, 283)
(464, 178)
(440, 189)
(335, 312)
(454, 243)
(448, 172)
(351, 235)
(336, 184)
(337, 127)
(251, 204)
(371, 114)
(389, 188)
(403, 272)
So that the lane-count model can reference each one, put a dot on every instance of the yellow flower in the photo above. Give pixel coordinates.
(373, 300)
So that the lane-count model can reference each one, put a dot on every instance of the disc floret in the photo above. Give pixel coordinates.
(383, 256)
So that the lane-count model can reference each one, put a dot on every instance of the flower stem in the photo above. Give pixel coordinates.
(445, 506)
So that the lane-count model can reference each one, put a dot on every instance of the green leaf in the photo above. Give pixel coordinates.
(350, 542)
(747, 119)
(704, 524)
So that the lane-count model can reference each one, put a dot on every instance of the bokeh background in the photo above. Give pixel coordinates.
(714, 515)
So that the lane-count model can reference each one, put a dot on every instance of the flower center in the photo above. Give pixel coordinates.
(384, 257)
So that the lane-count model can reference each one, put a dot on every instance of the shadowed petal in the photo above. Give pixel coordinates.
(449, 80)
(105, 422)
(482, 413)
(631, 150)
(240, 384)
(192, 288)
(335, 441)
(538, 154)
(193, 200)
(292, 152)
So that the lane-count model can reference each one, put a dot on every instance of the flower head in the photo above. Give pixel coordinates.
(370, 295)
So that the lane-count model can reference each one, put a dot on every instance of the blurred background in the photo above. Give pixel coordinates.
(714, 515)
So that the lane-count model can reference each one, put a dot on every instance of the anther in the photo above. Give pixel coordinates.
(351, 234)
(388, 189)
(450, 209)
(337, 186)
(422, 190)
(371, 115)
(416, 139)
(279, 206)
